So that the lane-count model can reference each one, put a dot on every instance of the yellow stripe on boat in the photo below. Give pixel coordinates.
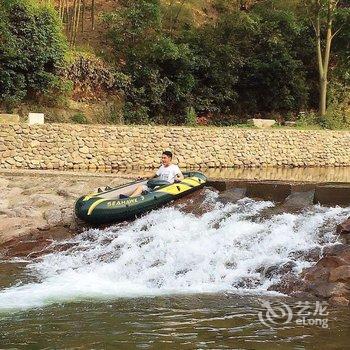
(95, 204)
(89, 196)
(191, 181)
(175, 189)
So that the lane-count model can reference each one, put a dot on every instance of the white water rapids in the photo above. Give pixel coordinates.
(169, 251)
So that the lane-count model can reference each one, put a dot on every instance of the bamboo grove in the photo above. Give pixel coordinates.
(73, 14)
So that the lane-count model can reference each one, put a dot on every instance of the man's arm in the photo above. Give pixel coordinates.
(179, 176)
(139, 178)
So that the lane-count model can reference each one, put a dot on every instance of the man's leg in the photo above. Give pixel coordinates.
(138, 191)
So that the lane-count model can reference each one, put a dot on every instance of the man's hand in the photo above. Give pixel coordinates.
(177, 179)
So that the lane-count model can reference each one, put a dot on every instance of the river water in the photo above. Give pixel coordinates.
(220, 321)
(172, 279)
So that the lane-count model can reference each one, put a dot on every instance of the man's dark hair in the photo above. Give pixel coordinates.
(168, 153)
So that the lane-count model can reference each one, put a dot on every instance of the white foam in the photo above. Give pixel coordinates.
(171, 252)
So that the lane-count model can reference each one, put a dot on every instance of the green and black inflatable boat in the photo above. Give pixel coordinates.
(106, 207)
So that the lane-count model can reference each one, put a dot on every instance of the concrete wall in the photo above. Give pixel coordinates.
(66, 146)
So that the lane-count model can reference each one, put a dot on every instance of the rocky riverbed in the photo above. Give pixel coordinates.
(328, 278)
(34, 203)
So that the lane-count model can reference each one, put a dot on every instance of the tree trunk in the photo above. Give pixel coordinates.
(323, 96)
(77, 20)
(93, 14)
(324, 82)
(71, 21)
(82, 15)
(323, 58)
(60, 9)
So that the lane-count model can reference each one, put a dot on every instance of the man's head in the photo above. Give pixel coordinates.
(167, 157)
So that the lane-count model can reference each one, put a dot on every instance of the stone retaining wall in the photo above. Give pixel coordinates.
(65, 146)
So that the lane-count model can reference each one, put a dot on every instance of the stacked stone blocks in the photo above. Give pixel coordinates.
(67, 146)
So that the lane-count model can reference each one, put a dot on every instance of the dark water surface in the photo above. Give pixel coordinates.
(220, 321)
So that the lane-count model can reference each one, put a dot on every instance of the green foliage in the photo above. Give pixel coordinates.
(339, 87)
(31, 49)
(341, 42)
(171, 68)
(191, 116)
(243, 64)
(217, 63)
(223, 6)
(136, 114)
(273, 75)
(134, 26)
(339, 91)
(79, 118)
(249, 64)
(334, 119)
(307, 119)
(115, 117)
(159, 67)
(57, 92)
(178, 15)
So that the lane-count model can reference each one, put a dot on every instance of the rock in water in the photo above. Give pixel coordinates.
(331, 262)
(330, 277)
(289, 284)
(340, 274)
(344, 228)
(328, 290)
(316, 273)
(198, 203)
(338, 301)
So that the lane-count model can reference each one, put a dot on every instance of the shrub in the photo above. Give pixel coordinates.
(159, 67)
(191, 117)
(79, 118)
(57, 92)
(334, 119)
(246, 63)
(32, 50)
(135, 114)
(307, 119)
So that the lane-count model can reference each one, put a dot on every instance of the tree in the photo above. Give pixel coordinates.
(159, 67)
(32, 50)
(249, 63)
(322, 14)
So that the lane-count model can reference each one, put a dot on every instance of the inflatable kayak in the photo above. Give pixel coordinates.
(107, 207)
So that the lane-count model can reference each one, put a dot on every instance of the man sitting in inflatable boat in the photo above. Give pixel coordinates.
(167, 172)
